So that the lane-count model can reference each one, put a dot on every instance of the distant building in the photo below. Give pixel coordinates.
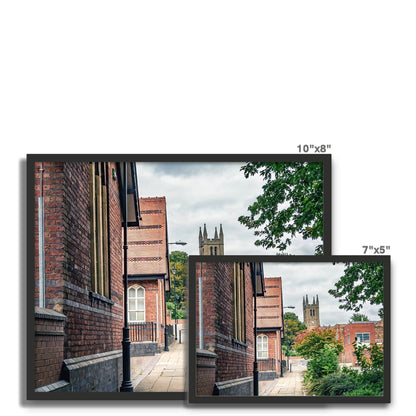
(339, 334)
(270, 329)
(379, 332)
(362, 333)
(211, 246)
(311, 312)
(148, 277)
(225, 327)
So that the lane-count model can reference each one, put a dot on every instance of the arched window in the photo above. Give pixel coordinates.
(262, 346)
(136, 304)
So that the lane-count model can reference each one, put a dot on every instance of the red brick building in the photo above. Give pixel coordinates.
(270, 330)
(364, 333)
(78, 222)
(225, 326)
(148, 273)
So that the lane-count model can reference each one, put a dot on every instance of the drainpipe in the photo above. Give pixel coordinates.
(201, 327)
(41, 240)
(255, 369)
(126, 384)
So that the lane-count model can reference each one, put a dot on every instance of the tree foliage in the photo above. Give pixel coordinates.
(324, 363)
(369, 380)
(311, 342)
(359, 317)
(178, 290)
(292, 327)
(361, 282)
(292, 202)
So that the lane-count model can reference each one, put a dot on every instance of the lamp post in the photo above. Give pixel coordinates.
(126, 384)
(287, 345)
(255, 364)
(174, 301)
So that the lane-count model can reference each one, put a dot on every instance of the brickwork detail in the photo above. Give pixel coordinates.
(49, 346)
(93, 323)
(234, 358)
(206, 364)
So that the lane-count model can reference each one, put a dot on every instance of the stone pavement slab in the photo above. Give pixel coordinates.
(167, 372)
(291, 384)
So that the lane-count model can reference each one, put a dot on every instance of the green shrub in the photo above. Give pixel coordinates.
(336, 384)
(324, 363)
(370, 379)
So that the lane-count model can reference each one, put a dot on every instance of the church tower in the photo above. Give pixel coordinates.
(211, 246)
(311, 312)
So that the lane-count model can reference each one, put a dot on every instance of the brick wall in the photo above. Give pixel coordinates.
(49, 346)
(54, 236)
(154, 304)
(349, 334)
(274, 351)
(379, 332)
(206, 365)
(234, 358)
(93, 323)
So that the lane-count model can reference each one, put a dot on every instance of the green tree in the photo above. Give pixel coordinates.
(324, 363)
(369, 380)
(178, 287)
(292, 327)
(292, 202)
(311, 342)
(358, 317)
(360, 283)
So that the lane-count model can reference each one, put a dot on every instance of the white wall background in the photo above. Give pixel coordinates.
(219, 77)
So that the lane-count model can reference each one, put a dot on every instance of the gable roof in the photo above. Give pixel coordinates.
(147, 253)
(270, 306)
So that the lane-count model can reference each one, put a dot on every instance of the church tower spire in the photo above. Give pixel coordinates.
(211, 246)
(311, 312)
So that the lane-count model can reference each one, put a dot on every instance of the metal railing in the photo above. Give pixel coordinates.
(142, 331)
(266, 364)
(171, 330)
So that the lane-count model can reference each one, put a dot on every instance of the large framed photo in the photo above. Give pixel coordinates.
(109, 238)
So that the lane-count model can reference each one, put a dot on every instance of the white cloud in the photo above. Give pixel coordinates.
(212, 194)
(300, 279)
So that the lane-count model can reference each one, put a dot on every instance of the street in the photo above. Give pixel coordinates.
(164, 372)
(288, 385)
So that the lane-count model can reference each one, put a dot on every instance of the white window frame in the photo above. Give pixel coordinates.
(136, 298)
(359, 342)
(262, 340)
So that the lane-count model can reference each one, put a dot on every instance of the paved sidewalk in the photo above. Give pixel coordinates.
(288, 385)
(164, 372)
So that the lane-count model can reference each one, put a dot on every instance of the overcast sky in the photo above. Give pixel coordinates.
(217, 193)
(300, 279)
(212, 194)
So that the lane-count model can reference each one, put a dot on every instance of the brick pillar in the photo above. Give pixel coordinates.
(205, 372)
(49, 346)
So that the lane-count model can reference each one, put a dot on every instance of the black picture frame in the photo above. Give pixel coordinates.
(31, 159)
(298, 400)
